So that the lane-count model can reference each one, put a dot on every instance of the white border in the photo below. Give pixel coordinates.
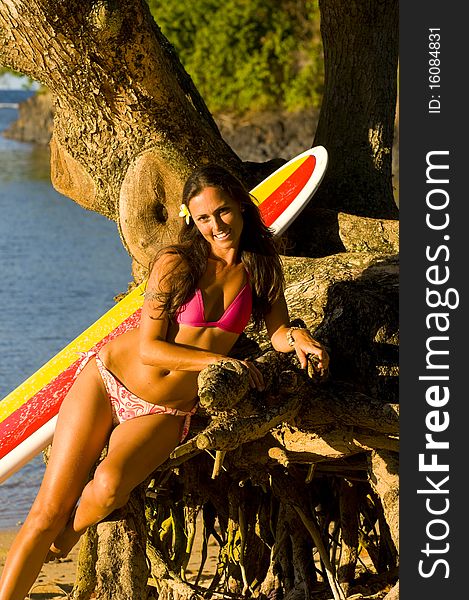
(27, 449)
(299, 203)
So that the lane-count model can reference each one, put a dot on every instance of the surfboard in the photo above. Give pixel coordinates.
(29, 413)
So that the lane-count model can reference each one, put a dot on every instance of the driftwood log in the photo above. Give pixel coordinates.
(298, 485)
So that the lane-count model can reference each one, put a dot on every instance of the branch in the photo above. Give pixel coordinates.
(335, 419)
(164, 577)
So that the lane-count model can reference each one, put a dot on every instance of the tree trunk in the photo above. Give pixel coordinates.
(126, 113)
(356, 123)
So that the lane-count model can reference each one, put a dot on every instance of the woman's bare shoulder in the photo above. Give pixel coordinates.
(168, 263)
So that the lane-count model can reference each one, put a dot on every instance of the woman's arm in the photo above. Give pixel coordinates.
(154, 323)
(278, 327)
(154, 349)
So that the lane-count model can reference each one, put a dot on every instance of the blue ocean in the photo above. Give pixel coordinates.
(61, 267)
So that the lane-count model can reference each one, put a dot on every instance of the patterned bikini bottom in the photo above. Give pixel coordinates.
(126, 405)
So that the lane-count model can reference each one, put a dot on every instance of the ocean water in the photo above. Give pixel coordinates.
(60, 268)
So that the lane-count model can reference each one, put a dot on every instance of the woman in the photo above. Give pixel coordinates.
(138, 393)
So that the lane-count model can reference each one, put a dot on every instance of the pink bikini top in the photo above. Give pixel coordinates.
(234, 319)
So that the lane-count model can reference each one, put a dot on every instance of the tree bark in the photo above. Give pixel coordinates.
(126, 112)
(356, 123)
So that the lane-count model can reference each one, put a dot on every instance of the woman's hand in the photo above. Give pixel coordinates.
(306, 345)
(256, 380)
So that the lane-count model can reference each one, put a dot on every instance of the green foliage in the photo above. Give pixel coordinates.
(247, 55)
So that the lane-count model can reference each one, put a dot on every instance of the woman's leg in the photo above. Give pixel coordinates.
(136, 448)
(82, 431)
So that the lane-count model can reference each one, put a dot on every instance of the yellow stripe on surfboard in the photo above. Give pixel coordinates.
(268, 187)
(66, 357)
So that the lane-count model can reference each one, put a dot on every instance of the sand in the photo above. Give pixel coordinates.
(56, 579)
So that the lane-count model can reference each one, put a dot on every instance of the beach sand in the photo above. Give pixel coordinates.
(56, 579)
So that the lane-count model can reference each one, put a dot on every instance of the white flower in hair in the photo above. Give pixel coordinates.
(184, 212)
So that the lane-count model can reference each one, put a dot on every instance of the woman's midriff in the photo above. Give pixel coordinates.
(159, 385)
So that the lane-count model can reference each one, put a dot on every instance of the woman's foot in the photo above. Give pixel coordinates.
(64, 542)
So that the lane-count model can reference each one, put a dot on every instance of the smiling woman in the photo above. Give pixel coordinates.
(226, 228)
(142, 385)
(218, 218)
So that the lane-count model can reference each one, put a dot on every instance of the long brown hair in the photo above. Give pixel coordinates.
(258, 250)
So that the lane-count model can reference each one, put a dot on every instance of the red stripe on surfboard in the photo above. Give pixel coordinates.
(36, 412)
(45, 404)
(274, 205)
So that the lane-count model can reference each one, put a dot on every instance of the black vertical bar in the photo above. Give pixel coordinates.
(433, 345)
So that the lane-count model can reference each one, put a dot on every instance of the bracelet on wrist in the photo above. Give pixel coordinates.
(290, 338)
